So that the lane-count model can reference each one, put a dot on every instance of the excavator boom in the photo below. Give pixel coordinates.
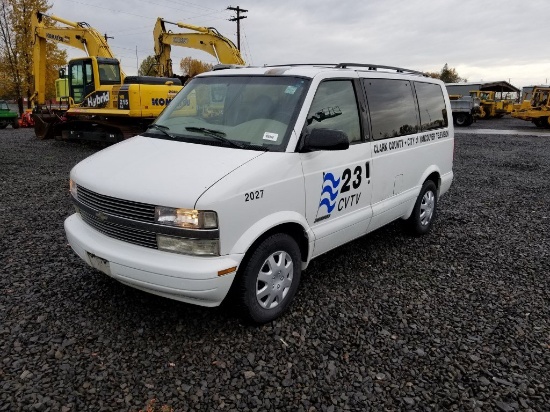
(79, 35)
(206, 39)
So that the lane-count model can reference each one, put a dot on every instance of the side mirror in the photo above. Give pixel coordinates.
(325, 139)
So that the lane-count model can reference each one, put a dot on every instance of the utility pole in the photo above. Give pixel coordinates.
(238, 20)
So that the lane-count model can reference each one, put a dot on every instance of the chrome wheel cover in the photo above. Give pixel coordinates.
(274, 280)
(427, 207)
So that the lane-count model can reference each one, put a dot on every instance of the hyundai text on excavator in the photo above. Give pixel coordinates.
(207, 39)
(103, 104)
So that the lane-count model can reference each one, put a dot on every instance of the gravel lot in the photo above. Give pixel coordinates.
(456, 320)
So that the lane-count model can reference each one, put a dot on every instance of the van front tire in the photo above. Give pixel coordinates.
(423, 215)
(270, 278)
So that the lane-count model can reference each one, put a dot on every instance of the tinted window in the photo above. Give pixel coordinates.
(80, 79)
(335, 107)
(109, 73)
(392, 108)
(433, 113)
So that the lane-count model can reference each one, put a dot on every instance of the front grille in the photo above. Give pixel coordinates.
(117, 207)
(124, 233)
(92, 203)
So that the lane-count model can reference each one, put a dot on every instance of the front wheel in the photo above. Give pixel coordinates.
(270, 278)
(423, 214)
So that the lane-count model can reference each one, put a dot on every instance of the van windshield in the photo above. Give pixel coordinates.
(248, 112)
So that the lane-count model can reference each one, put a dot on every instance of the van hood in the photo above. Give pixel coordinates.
(157, 171)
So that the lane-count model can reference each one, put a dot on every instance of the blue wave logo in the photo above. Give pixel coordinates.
(330, 192)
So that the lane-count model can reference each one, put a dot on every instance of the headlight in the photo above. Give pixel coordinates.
(72, 187)
(199, 247)
(186, 218)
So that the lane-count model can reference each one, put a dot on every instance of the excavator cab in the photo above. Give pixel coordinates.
(87, 75)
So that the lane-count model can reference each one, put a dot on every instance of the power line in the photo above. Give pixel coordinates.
(247, 48)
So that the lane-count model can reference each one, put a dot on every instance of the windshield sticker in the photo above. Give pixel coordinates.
(291, 89)
(272, 137)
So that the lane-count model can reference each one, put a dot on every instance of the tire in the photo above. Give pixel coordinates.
(423, 215)
(275, 263)
(3, 125)
(470, 120)
(15, 124)
(539, 121)
(461, 119)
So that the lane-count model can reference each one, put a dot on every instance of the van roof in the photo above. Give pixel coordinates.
(309, 69)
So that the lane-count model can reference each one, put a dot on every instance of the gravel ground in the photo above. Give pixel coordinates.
(456, 320)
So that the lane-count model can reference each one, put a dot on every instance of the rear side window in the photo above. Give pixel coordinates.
(433, 112)
(392, 108)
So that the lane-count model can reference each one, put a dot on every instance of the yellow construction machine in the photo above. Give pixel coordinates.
(207, 39)
(538, 109)
(103, 104)
(490, 106)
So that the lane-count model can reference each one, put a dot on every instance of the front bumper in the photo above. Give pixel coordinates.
(185, 278)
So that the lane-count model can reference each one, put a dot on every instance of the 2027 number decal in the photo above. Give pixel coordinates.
(255, 195)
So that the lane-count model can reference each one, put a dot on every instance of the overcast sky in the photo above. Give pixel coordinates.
(484, 40)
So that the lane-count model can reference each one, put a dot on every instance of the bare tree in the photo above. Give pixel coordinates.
(16, 50)
(9, 57)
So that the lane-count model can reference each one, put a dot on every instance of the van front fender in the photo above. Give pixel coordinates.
(253, 233)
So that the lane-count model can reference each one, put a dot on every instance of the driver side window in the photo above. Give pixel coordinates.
(335, 107)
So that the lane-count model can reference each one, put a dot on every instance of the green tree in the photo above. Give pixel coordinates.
(447, 75)
(148, 67)
(16, 48)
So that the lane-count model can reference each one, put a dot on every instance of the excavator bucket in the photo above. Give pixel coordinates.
(44, 124)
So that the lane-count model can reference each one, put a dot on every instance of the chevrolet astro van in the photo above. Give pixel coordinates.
(250, 173)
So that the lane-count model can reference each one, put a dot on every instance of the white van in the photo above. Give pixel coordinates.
(250, 173)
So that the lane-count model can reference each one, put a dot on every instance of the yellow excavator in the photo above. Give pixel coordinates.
(207, 39)
(538, 109)
(103, 103)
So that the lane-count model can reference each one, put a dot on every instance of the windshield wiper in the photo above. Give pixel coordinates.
(217, 134)
(162, 129)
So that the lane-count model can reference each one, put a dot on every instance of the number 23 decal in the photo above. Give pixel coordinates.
(357, 173)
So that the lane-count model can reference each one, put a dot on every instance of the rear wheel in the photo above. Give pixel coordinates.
(423, 215)
(541, 121)
(15, 123)
(270, 278)
(461, 119)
